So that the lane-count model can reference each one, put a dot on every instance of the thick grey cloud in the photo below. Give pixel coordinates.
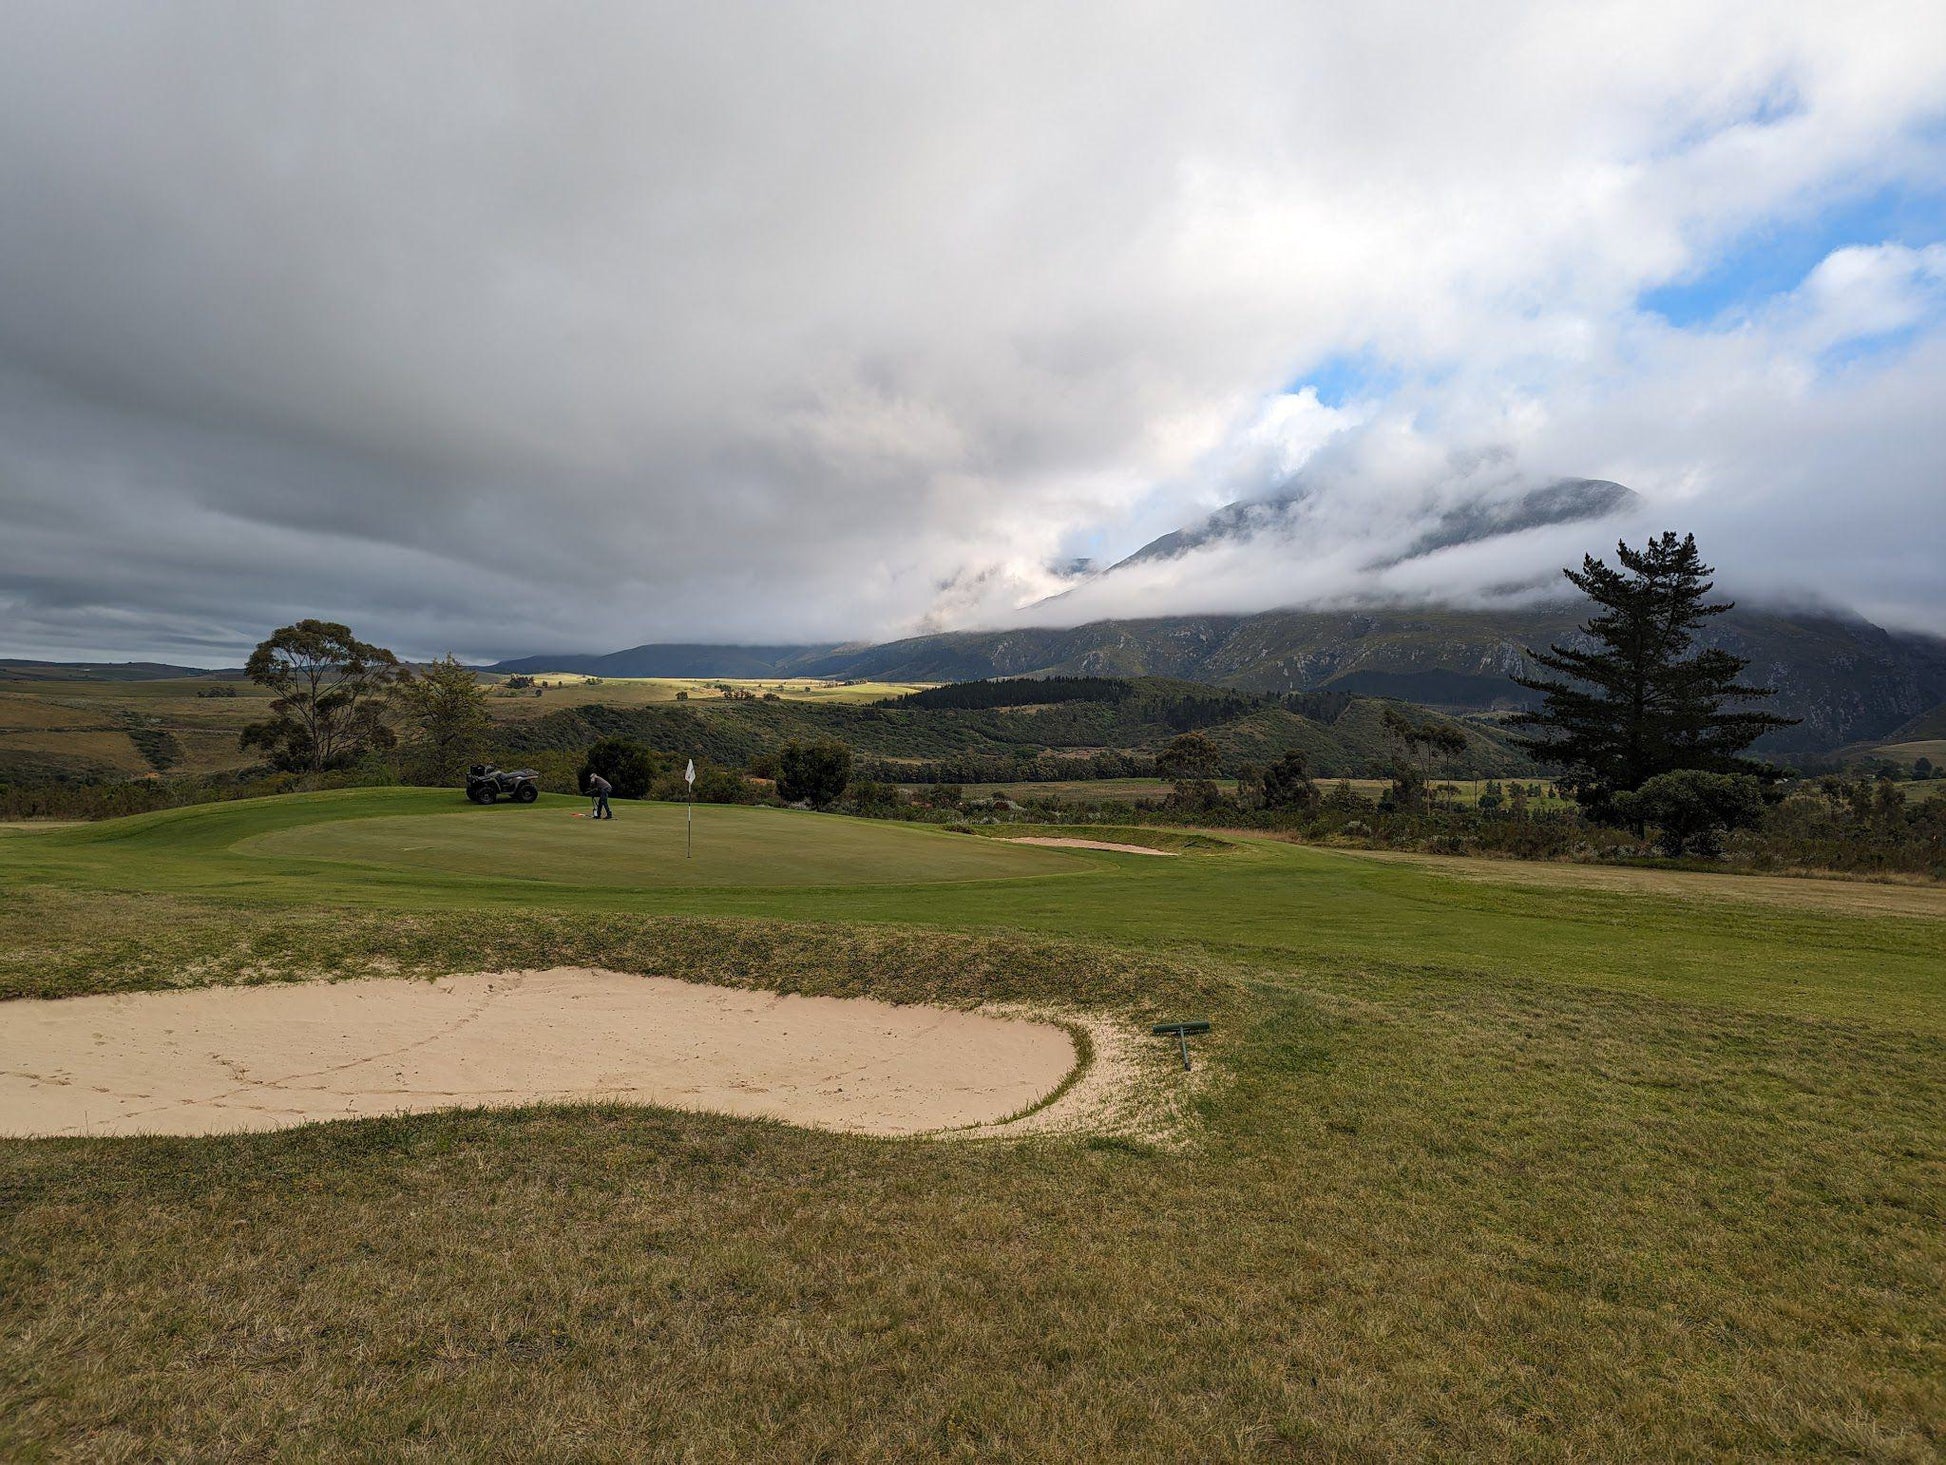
(505, 327)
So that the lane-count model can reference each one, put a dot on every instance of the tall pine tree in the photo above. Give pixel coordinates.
(1644, 700)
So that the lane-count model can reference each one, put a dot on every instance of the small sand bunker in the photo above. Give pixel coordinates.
(227, 1058)
(1120, 849)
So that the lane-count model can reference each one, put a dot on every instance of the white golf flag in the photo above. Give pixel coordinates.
(689, 773)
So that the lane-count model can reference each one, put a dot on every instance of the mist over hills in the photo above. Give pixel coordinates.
(1847, 679)
(1475, 517)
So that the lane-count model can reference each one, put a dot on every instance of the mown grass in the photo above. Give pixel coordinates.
(646, 845)
(1440, 1198)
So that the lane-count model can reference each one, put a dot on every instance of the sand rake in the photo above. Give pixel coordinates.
(1181, 1032)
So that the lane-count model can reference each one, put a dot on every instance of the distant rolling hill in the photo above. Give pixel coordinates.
(1846, 678)
(1928, 726)
(917, 739)
(1850, 681)
(13, 670)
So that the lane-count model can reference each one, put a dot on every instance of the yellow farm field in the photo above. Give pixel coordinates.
(567, 689)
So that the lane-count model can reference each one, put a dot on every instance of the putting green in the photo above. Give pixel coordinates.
(643, 846)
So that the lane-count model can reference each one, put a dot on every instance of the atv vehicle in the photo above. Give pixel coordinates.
(485, 783)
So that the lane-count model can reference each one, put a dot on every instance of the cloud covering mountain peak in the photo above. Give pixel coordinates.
(486, 327)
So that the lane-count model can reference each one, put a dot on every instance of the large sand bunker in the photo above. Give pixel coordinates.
(228, 1058)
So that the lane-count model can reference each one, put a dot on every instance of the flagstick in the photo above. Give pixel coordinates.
(689, 816)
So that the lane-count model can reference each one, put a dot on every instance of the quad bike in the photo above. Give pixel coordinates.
(485, 784)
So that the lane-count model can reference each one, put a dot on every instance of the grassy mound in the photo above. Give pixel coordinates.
(87, 943)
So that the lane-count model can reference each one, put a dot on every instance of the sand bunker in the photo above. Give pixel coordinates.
(226, 1058)
(1120, 849)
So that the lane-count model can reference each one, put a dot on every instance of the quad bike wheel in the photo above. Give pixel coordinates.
(485, 794)
(526, 794)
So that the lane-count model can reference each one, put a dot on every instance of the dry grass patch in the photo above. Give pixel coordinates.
(1914, 897)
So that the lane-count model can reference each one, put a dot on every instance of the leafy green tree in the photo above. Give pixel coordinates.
(814, 773)
(1691, 808)
(1188, 761)
(872, 797)
(1250, 786)
(1922, 768)
(1190, 756)
(1195, 795)
(629, 767)
(715, 784)
(445, 708)
(333, 692)
(1287, 784)
(1639, 699)
(1418, 746)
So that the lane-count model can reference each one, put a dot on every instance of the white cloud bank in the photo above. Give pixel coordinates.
(499, 328)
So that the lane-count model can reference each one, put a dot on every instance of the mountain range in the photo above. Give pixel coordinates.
(1848, 680)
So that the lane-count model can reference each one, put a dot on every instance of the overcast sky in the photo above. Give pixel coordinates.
(513, 328)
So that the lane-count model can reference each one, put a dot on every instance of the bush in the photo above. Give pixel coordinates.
(1287, 784)
(715, 784)
(629, 767)
(1692, 809)
(873, 798)
(1187, 758)
(813, 773)
(1195, 796)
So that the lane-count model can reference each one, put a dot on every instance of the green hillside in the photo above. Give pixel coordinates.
(1926, 727)
(1846, 679)
(1343, 737)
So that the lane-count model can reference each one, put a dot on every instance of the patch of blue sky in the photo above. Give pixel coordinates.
(1347, 377)
(1774, 259)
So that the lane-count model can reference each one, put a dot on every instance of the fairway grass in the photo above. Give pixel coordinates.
(1469, 1168)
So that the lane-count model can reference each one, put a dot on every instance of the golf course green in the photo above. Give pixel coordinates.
(1478, 1160)
(648, 849)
